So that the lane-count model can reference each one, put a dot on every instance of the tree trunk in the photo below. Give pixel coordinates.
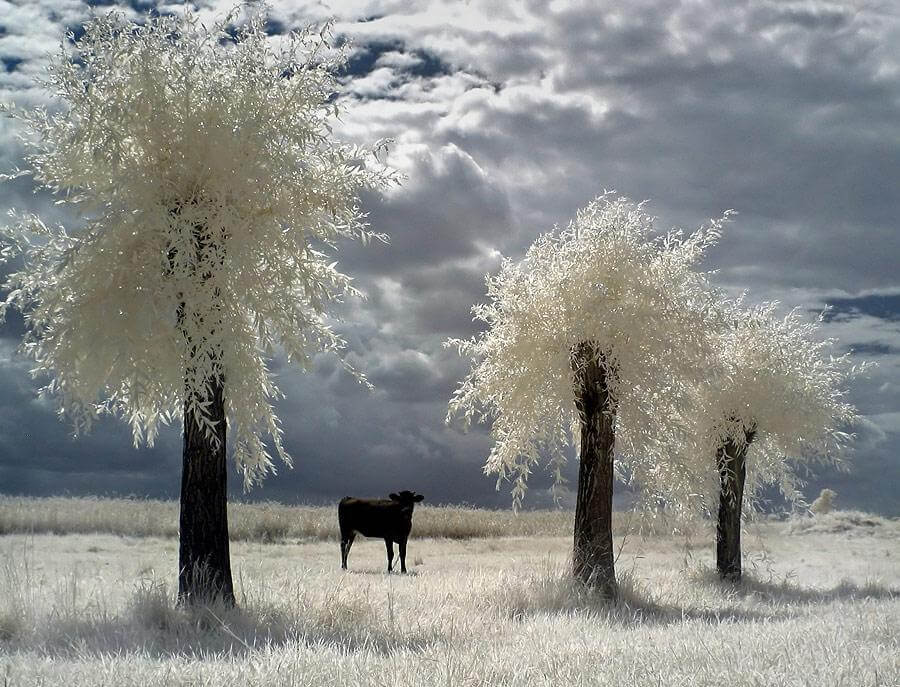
(732, 464)
(204, 563)
(204, 559)
(592, 555)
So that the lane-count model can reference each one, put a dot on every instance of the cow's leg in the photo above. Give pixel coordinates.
(346, 543)
(389, 545)
(402, 546)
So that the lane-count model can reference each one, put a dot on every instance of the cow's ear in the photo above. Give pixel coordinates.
(395, 497)
(418, 497)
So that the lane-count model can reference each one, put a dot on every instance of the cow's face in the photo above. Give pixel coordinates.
(407, 499)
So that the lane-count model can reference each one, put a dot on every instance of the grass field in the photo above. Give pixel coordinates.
(820, 605)
(262, 522)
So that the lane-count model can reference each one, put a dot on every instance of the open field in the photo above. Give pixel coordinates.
(261, 522)
(269, 522)
(820, 606)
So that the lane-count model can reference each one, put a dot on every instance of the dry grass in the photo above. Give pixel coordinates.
(841, 521)
(820, 609)
(264, 522)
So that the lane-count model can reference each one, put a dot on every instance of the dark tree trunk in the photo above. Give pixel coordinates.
(204, 562)
(592, 556)
(731, 460)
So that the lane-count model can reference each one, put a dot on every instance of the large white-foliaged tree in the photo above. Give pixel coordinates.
(209, 193)
(774, 400)
(596, 335)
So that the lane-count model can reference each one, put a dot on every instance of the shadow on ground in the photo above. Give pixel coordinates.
(699, 596)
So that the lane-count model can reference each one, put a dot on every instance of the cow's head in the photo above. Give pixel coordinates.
(407, 498)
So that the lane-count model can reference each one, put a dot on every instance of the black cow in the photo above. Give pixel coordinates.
(388, 519)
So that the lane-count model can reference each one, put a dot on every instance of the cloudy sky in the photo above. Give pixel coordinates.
(507, 117)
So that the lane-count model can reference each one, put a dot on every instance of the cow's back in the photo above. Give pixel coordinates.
(373, 517)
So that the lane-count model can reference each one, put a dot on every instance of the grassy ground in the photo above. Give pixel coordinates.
(820, 606)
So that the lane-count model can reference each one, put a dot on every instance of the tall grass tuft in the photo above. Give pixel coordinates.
(551, 589)
(15, 612)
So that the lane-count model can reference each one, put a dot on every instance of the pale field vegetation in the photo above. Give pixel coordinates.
(819, 604)
(260, 522)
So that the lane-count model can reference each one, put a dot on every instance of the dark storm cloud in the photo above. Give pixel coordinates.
(444, 210)
(371, 443)
(445, 296)
(39, 454)
(703, 109)
(409, 376)
(811, 17)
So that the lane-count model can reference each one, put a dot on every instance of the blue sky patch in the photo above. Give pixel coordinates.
(885, 307)
(872, 348)
(11, 63)
(364, 57)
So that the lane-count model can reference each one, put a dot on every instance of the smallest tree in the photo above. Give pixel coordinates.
(775, 400)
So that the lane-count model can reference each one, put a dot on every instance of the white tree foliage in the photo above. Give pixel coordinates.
(210, 192)
(772, 376)
(609, 279)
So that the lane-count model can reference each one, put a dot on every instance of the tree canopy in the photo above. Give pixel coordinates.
(210, 193)
(610, 280)
(688, 369)
(772, 379)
